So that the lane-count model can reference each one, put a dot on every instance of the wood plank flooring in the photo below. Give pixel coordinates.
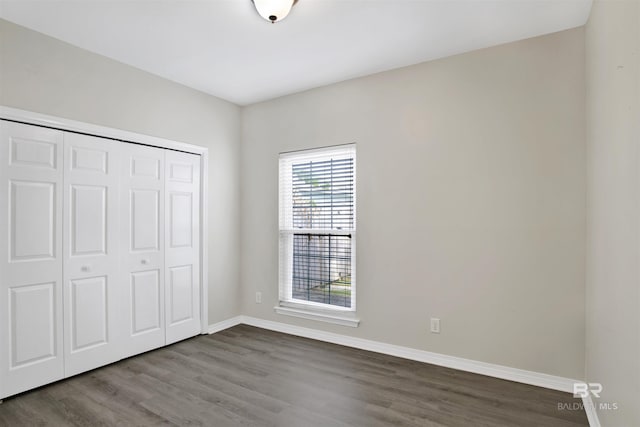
(245, 376)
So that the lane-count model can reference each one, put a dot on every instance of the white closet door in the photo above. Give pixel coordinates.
(30, 257)
(91, 248)
(142, 247)
(182, 256)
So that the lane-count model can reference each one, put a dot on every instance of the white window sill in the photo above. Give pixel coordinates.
(338, 318)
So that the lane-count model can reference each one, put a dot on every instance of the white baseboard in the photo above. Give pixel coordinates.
(468, 365)
(590, 409)
(225, 324)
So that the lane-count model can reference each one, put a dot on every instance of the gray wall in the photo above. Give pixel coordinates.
(44, 75)
(471, 201)
(613, 226)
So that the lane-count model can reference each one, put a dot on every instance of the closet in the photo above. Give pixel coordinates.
(100, 251)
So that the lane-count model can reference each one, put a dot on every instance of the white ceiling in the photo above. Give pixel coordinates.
(224, 48)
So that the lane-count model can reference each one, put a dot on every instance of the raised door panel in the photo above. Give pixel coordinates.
(89, 159)
(182, 293)
(94, 285)
(145, 165)
(182, 257)
(181, 220)
(89, 210)
(89, 317)
(142, 244)
(32, 324)
(145, 213)
(30, 152)
(31, 257)
(145, 297)
(181, 172)
(32, 220)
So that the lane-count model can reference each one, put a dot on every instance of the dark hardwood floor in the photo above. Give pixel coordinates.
(250, 376)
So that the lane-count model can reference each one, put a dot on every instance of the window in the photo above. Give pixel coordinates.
(317, 228)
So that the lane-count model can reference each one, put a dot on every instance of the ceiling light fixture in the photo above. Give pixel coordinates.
(274, 10)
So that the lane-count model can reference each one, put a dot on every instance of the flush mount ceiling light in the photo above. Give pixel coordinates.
(274, 10)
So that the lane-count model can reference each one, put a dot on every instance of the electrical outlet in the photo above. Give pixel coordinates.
(435, 325)
(258, 297)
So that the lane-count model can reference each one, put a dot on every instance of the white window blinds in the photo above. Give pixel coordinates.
(317, 227)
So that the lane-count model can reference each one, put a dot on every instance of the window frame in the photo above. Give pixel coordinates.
(286, 303)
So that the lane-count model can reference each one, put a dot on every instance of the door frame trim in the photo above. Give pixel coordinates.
(67, 125)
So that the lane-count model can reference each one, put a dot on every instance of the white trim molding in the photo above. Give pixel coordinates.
(204, 242)
(337, 318)
(489, 369)
(225, 324)
(590, 409)
(60, 123)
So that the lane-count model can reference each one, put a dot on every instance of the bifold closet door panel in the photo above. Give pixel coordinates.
(182, 234)
(142, 247)
(93, 289)
(31, 167)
